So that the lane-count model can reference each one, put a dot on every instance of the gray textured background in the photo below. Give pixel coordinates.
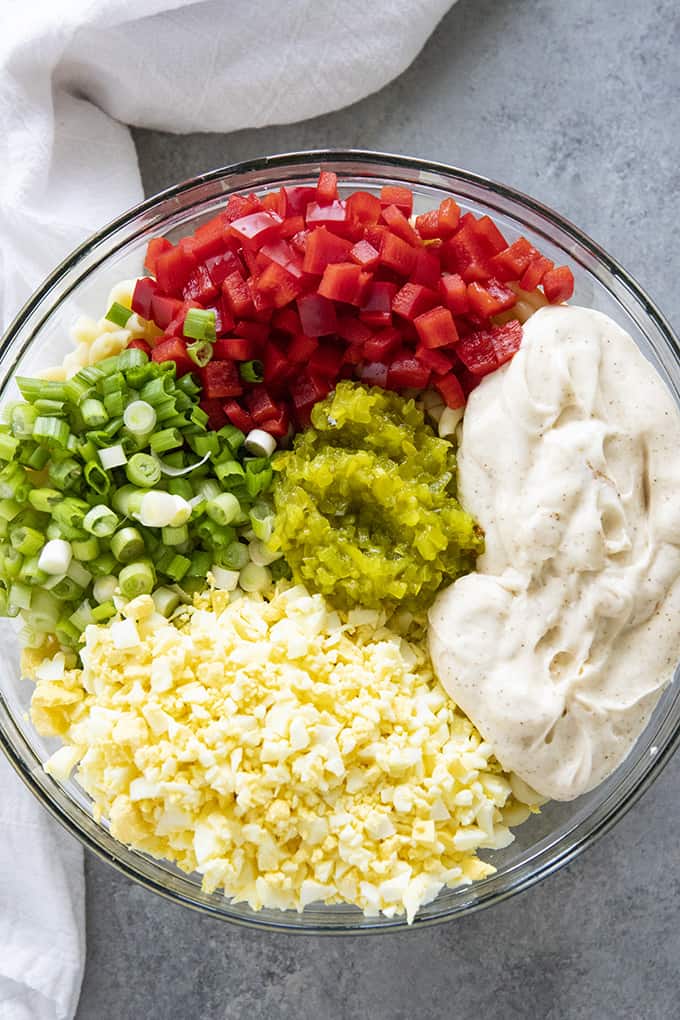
(578, 103)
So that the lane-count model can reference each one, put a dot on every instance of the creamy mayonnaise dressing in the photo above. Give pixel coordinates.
(557, 648)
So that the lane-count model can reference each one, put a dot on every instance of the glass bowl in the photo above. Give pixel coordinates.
(38, 337)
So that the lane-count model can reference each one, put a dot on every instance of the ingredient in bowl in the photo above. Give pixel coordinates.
(365, 503)
(559, 647)
(287, 753)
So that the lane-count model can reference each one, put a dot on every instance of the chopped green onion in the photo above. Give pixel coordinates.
(112, 457)
(254, 577)
(40, 456)
(173, 472)
(252, 371)
(144, 470)
(156, 390)
(93, 412)
(232, 436)
(223, 509)
(234, 556)
(44, 500)
(114, 383)
(66, 589)
(165, 600)
(262, 521)
(225, 580)
(118, 313)
(199, 324)
(104, 588)
(130, 358)
(260, 443)
(105, 564)
(79, 574)
(27, 541)
(66, 633)
(200, 563)
(166, 439)
(175, 536)
(53, 408)
(82, 617)
(260, 554)
(115, 403)
(8, 446)
(181, 487)
(51, 432)
(19, 598)
(85, 549)
(22, 420)
(44, 612)
(178, 567)
(9, 508)
(12, 563)
(127, 544)
(77, 389)
(31, 573)
(64, 473)
(139, 417)
(136, 579)
(200, 352)
(37, 389)
(229, 468)
(207, 443)
(70, 512)
(103, 612)
(97, 478)
(100, 521)
(187, 384)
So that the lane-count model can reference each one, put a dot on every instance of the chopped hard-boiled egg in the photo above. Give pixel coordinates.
(285, 751)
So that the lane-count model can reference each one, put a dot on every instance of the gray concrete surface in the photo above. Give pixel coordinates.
(577, 103)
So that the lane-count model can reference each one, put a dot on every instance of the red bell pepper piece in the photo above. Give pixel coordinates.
(140, 345)
(365, 255)
(382, 345)
(257, 228)
(261, 405)
(281, 253)
(351, 329)
(237, 295)
(277, 427)
(210, 238)
(324, 248)
(142, 295)
(262, 299)
(363, 207)
(396, 254)
(488, 232)
(377, 307)
(155, 247)
(274, 201)
(478, 353)
(279, 286)
(238, 416)
(306, 390)
(467, 254)
(224, 320)
(451, 390)
(258, 332)
(173, 350)
(399, 225)
(199, 287)
(427, 269)
(374, 233)
(220, 266)
(173, 269)
(406, 372)
(374, 373)
(164, 310)
(241, 205)
(427, 224)
(490, 298)
(510, 263)
(453, 290)
(277, 367)
(317, 315)
(220, 379)
(301, 348)
(436, 327)
(292, 225)
(287, 320)
(215, 411)
(535, 271)
(506, 340)
(345, 282)
(297, 199)
(448, 217)
(436, 360)
(327, 359)
(413, 299)
(333, 215)
(234, 349)
(395, 194)
(353, 355)
(327, 187)
(558, 284)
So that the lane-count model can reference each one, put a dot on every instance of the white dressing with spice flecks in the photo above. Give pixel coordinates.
(559, 646)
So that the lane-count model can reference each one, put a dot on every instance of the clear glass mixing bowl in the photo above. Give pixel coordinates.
(39, 336)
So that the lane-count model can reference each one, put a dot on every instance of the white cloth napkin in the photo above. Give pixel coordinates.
(72, 76)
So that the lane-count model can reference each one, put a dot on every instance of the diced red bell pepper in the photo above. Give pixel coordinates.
(351, 329)
(453, 290)
(490, 298)
(277, 427)
(297, 199)
(486, 229)
(377, 307)
(260, 404)
(448, 217)
(374, 373)
(155, 247)
(164, 310)
(199, 287)
(510, 263)
(263, 301)
(451, 390)
(175, 327)
(333, 215)
(301, 348)
(467, 254)
(399, 225)
(327, 359)
(317, 315)
(254, 262)
(353, 355)
(173, 269)
(324, 248)
(257, 228)
(396, 254)
(142, 295)
(558, 284)
(277, 367)
(382, 345)
(363, 207)
(427, 224)
(220, 266)
(406, 372)
(287, 320)
(306, 390)
(284, 255)
(535, 271)
(224, 320)
(413, 299)
(427, 268)
(241, 205)
(237, 295)
(258, 332)
(174, 350)
(274, 202)
(292, 225)
(234, 349)
(345, 282)
(327, 187)
(436, 327)
(237, 415)
(436, 360)
(216, 414)
(364, 254)
(210, 238)
(506, 340)
(374, 233)
(395, 194)
(140, 345)
(278, 285)
(220, 379)
(478, 353)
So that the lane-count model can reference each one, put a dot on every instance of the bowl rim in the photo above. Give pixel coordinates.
(612, 813)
